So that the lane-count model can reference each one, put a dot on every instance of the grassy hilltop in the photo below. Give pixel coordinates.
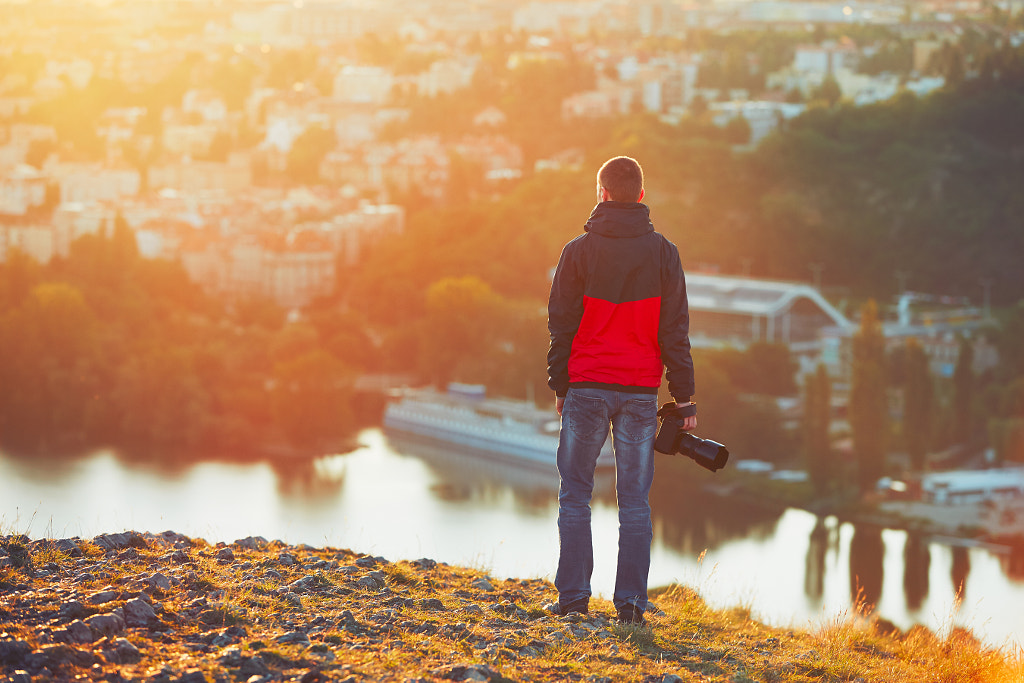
(134, 607)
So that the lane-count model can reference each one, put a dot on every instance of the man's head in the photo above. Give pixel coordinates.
(620, 179)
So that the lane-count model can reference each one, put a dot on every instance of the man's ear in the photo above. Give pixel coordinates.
(641, 197)
(605, 196)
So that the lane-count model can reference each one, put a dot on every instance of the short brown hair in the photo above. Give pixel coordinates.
(623, 178)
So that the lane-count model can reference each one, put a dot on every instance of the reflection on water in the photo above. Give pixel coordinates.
(867, 572)
(916, 560)
(961, 568)
(814, 571)
(405, 500)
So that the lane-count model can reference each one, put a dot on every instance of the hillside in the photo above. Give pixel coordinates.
(133, 607)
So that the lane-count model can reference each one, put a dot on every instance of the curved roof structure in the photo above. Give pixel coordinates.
(753, 297)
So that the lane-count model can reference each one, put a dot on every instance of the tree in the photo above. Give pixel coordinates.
(817, 418)
(308, 150)
(917, 405)
(829, 91)
(963, 391)
(313, 399)
(461, 326)
(868, 408)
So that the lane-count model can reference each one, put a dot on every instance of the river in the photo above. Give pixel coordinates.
(404, 500)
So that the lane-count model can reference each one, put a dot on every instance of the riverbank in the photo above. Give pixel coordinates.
(133, 607)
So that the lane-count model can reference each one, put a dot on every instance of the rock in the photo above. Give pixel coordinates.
(473, 608)
(103, 597)
(253, 666)
(225, 554)
(53, 656)
(431, 604)
(293, 637)
(126, 651)
(176, 557)
(286, 559)
(128, 554)
(483, 584)
(272, 574)
(313, 676)
(120, 541)
(372, 581)
(79, 632)
(68, 546)
(252, 543)
(105, 625)
(232, 657)
(73, 610)
(466, 672)
(20, 676)
(425, 563)
(160, 581)
(13, 652)
(510, 610)
(193, 676)
(138, 612)
(670, 678)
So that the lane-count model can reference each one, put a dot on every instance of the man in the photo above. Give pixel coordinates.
(617, 313)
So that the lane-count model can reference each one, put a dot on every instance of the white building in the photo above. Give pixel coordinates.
(209, 105)
(762, 117)
(364, 84)
(33, 240)
(446, 76)
(737, 311)
(21, 190)
(91, 182)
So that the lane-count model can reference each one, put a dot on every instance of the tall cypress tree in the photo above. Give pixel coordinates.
(868, 406)
(817, 416)
(963, 391)
(917, 405)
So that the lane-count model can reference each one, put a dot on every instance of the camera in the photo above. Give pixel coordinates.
(672, 439)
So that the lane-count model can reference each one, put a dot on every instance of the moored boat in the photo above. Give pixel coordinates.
(496, 427)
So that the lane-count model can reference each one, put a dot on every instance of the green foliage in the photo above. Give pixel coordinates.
(868, 406)
(963, 391)
(816, 422)
(312, 398)
(307, 152)
(107, 348)
(918, 405)
(829, 92)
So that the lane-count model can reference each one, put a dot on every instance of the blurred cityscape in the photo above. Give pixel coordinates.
(265, 144)
(365, 194)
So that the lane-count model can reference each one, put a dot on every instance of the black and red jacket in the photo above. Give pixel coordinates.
(617, 311)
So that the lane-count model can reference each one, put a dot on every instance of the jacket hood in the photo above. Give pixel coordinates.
(620, 219)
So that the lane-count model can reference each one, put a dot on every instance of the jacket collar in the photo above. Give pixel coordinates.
(620, 219)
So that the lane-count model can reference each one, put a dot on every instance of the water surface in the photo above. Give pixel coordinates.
(405, 500)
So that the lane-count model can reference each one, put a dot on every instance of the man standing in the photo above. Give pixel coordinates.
(617, 313)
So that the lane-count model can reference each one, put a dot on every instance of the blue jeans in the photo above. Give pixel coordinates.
(586, 415)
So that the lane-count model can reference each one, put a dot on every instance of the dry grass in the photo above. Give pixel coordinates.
(425, 619)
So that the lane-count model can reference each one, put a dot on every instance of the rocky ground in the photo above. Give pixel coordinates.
(167, 608)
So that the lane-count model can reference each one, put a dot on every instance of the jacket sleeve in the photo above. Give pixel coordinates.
(565, 310)
(674, 327)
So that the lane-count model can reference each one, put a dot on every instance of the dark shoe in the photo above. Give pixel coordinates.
(631, 616)
(581, 606)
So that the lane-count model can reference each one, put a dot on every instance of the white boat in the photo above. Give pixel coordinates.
(500, 428)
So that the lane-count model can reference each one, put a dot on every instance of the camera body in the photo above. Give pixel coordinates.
(672, 439)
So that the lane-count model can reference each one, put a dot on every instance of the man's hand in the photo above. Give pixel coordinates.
(559, 402)
(689, 423)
